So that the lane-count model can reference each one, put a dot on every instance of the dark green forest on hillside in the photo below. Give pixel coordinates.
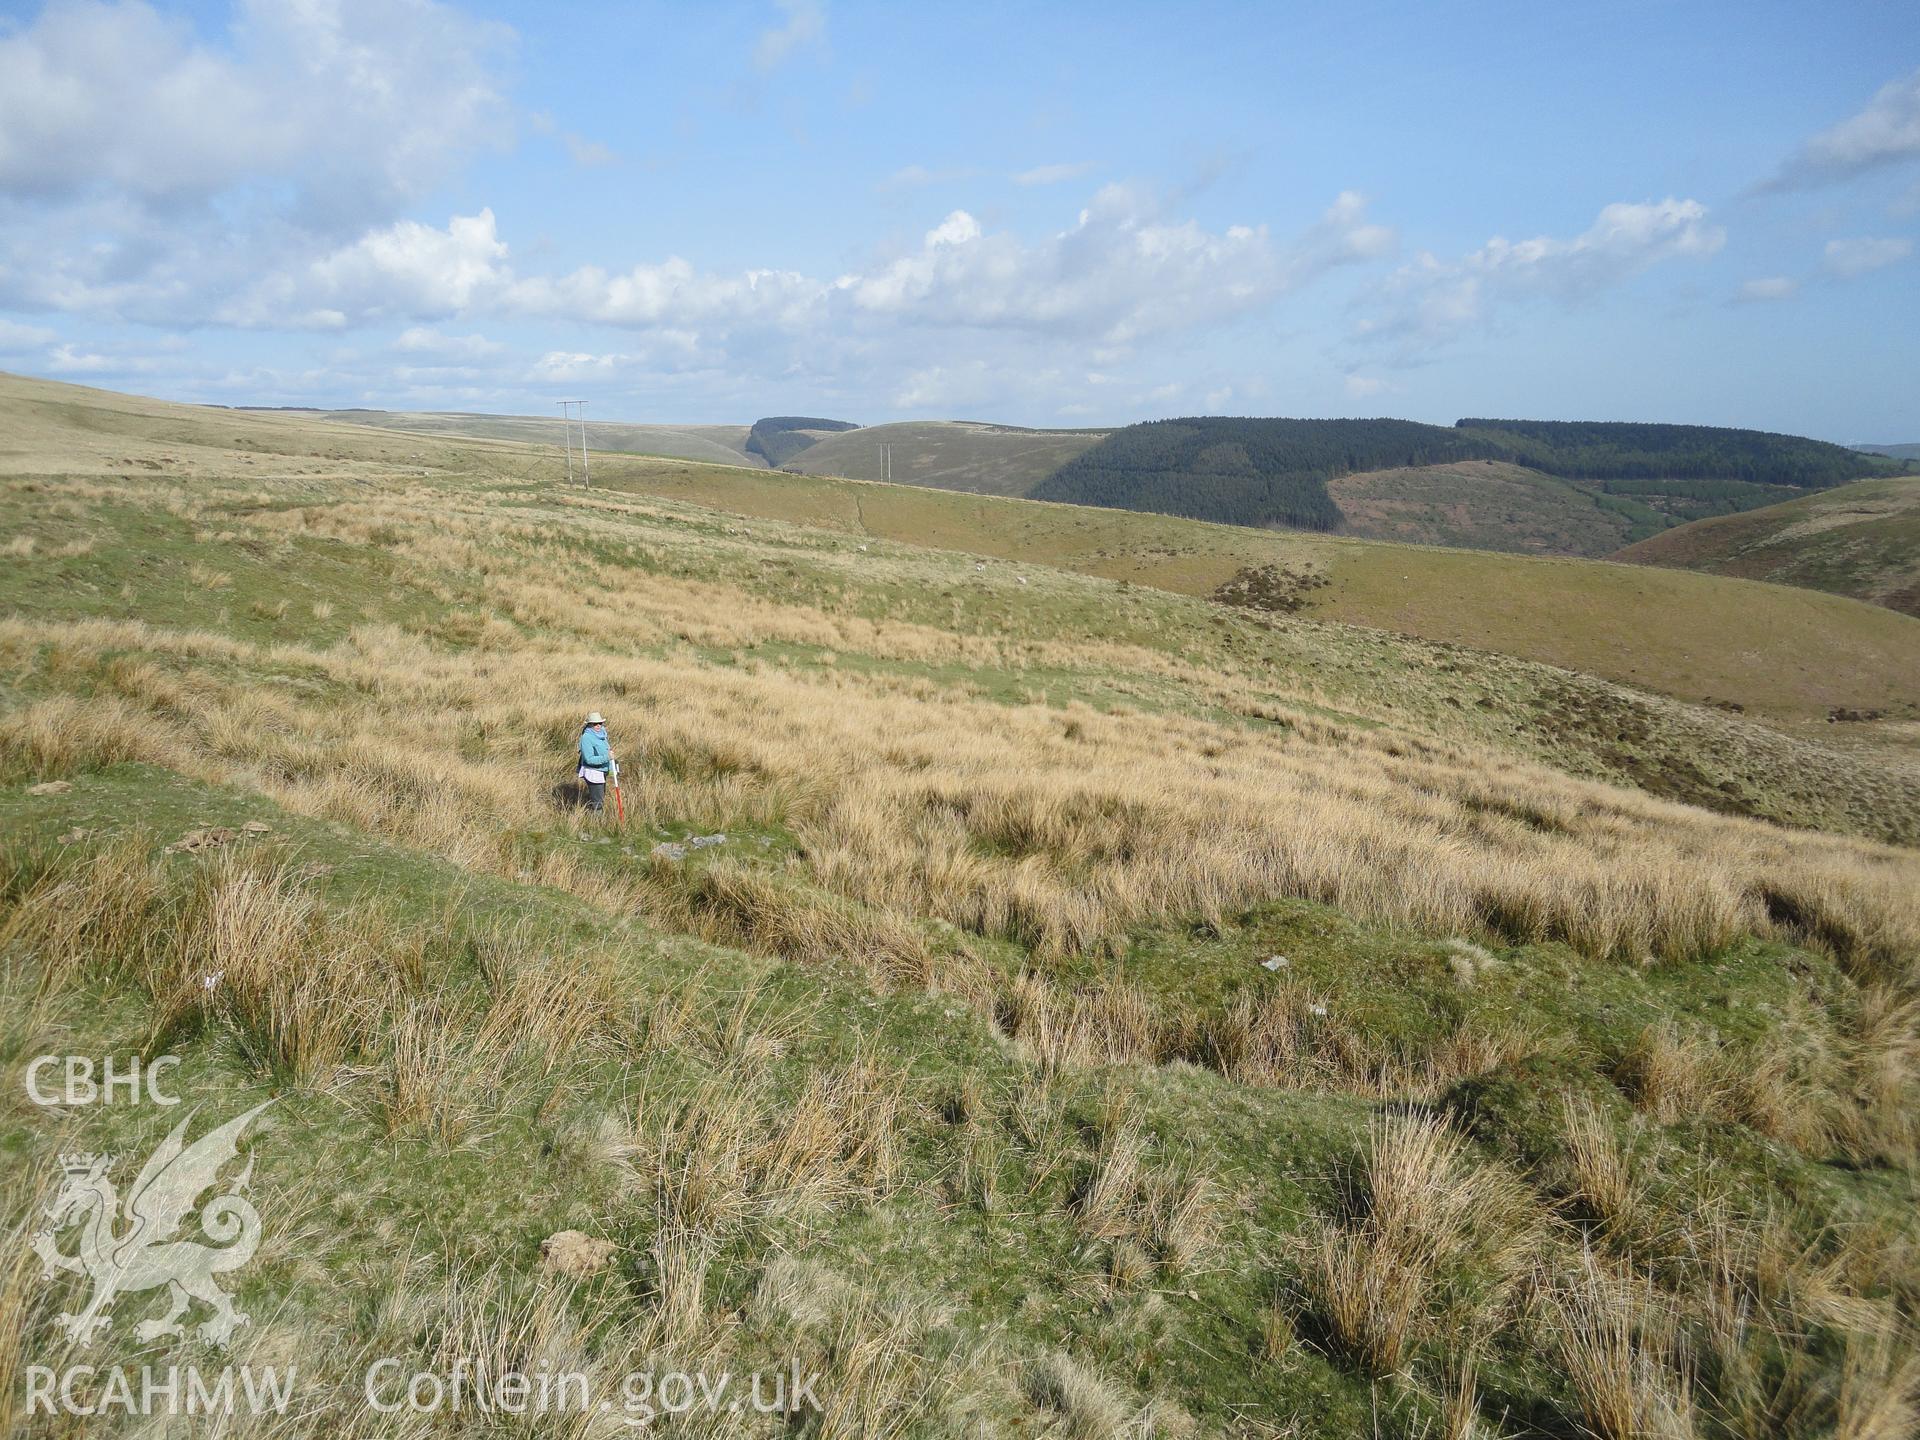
(1616, 450)
(1245, 471)
(778, 438)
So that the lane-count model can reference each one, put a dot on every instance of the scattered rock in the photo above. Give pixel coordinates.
(575, 1253)
(1276, 962)
(1317, 1009)
(211, 837)
(256, 827)
(667, 850)
(701, 842)
(50, 787)
(74, 836)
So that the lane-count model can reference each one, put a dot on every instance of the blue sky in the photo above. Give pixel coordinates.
(1049, 215)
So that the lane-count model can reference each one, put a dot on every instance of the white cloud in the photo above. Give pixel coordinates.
(940, 388)
(805, 25)
(1887, 132)
(1768, 288)
(405, 271)
(356, 101)
(1429, 302)
(1119, 274)
(425, 340)
(1051, 174)
(17, 339)
(1852, 258)
(1365, 387)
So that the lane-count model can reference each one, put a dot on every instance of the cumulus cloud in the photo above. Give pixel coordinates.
(805, 25)
(1768, 288)
(1849, 259)
(149, 175)
(1122, 272)
(1886, 132)
(1119, 274)
(406, 270)
(1430, 301)
(352, 100)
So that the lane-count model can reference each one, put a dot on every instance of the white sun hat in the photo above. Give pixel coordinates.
(596, 718)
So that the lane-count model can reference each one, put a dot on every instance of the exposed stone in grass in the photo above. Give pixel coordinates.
(575, 1254)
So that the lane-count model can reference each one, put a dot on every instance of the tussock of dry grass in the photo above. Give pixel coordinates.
(977, 814)
(730, 1152)
(1417, 1210)
(1617, 1342)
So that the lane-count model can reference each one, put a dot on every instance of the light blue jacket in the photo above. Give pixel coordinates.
(594, 753)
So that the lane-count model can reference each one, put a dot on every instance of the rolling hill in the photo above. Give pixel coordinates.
(947, 455)
(1794, 655)
(1031, 1003)
(1528, 487)
(776, 439)
(1861, 540)
(718, 444)
(1479, 505)
(1266, 472)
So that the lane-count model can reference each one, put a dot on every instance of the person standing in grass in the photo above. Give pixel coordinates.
(596, 758)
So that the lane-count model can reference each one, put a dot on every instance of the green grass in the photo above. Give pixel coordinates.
(980, 1252)
(1769, 649)
(947, 455)
(718, 444)
(1018, 1266)
(1479, 505)
(1860, 540)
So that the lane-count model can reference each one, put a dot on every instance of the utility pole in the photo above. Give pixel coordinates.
(567, 417)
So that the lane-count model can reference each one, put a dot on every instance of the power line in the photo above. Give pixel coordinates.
(567, 418)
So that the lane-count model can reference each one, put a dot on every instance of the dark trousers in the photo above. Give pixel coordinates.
(596, 794)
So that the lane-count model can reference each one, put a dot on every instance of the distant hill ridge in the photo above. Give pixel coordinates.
(1251, 471)
(778, 438)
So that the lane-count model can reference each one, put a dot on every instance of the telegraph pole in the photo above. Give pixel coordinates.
(567, 417)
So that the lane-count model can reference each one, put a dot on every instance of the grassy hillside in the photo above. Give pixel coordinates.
(1479, 505)
(1861, 540)
(1264, 472)
(1107, 1012)
(776, 439)
(1779, 652)
(947, 454)
(1616, 450)
(1896, 452)
(721, 444)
